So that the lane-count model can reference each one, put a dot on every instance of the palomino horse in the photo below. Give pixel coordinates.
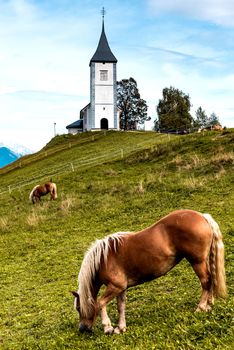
(123, 260)
(41, 190)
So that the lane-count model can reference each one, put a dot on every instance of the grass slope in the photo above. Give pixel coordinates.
(118, 182)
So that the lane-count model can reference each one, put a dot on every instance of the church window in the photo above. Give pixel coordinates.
(103, 75)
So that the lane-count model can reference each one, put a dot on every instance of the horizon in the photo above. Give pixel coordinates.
(46, 49)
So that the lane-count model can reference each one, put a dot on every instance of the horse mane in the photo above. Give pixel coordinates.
(96, 252)
(31, 193)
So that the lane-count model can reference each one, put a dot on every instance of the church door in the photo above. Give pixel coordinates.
(104, 123)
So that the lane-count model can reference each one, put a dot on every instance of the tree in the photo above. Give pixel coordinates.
(201, 118)
(133, 108)
(213, 120)
(156, 124)
(173, 110)
(203, 121)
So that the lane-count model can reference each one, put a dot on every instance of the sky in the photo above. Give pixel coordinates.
(46, 46)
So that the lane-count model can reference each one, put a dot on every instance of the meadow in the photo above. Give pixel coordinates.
(109, 182)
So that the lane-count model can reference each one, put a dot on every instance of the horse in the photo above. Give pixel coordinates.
(41, 190)
(127, 259)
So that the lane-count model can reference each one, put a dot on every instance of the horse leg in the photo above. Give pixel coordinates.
(106, 322)
(36, 199)
(121, 302)
(210, 299)
(110, 293)
(203, 273)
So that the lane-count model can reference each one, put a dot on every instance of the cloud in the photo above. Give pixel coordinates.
(46, 47)
(214, 11)
(22, 8)
(214, 94)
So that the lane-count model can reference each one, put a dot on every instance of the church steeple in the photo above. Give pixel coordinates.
(103, 53)
(101, 113)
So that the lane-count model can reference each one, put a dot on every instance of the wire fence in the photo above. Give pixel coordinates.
(84, 162)
(28, 159)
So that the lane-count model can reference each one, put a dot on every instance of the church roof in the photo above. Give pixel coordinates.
(76, 125)
(103, 52)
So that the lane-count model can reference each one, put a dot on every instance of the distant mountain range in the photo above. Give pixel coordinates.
(9, 154)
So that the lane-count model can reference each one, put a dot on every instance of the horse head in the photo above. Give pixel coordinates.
(87, 318)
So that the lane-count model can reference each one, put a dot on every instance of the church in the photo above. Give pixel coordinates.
(101, 113)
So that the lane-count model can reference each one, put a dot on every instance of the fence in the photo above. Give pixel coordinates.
(47, 152)
(80, 164)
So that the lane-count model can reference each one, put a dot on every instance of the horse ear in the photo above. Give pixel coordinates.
(76, 295)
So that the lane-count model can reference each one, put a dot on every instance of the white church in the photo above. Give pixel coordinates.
(101, 113)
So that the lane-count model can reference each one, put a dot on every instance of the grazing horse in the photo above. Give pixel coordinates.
(124, 260)
(41, 190)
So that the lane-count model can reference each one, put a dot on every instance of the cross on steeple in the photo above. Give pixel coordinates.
(103, 12)
(103, 52)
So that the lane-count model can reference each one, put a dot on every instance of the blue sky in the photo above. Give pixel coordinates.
(46, 47)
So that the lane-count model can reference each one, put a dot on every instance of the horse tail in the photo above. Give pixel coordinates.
(54, 191)
(216, 259)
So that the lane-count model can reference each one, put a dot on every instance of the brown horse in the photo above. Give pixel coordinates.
(123, 260)
(41, 190)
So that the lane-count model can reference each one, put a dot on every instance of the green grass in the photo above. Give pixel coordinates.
(42, 246)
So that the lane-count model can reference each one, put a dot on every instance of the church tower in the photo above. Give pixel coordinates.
(102, 112)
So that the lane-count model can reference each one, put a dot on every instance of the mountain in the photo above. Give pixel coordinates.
(7, 156)
(9, 153)
(19, 150)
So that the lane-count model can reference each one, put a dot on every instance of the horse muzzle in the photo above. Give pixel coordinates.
(84, 328)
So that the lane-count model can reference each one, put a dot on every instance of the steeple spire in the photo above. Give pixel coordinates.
(103, 52)
(103, 12)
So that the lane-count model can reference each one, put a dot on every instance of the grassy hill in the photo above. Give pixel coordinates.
(108, 182)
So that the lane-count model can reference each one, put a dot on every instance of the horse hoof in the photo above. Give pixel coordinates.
(203, 309)
(109, 330)
(118, 330)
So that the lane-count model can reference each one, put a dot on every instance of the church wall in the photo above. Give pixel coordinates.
(104, 94)
(104, 111)
(102, 67)
(91, 116)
